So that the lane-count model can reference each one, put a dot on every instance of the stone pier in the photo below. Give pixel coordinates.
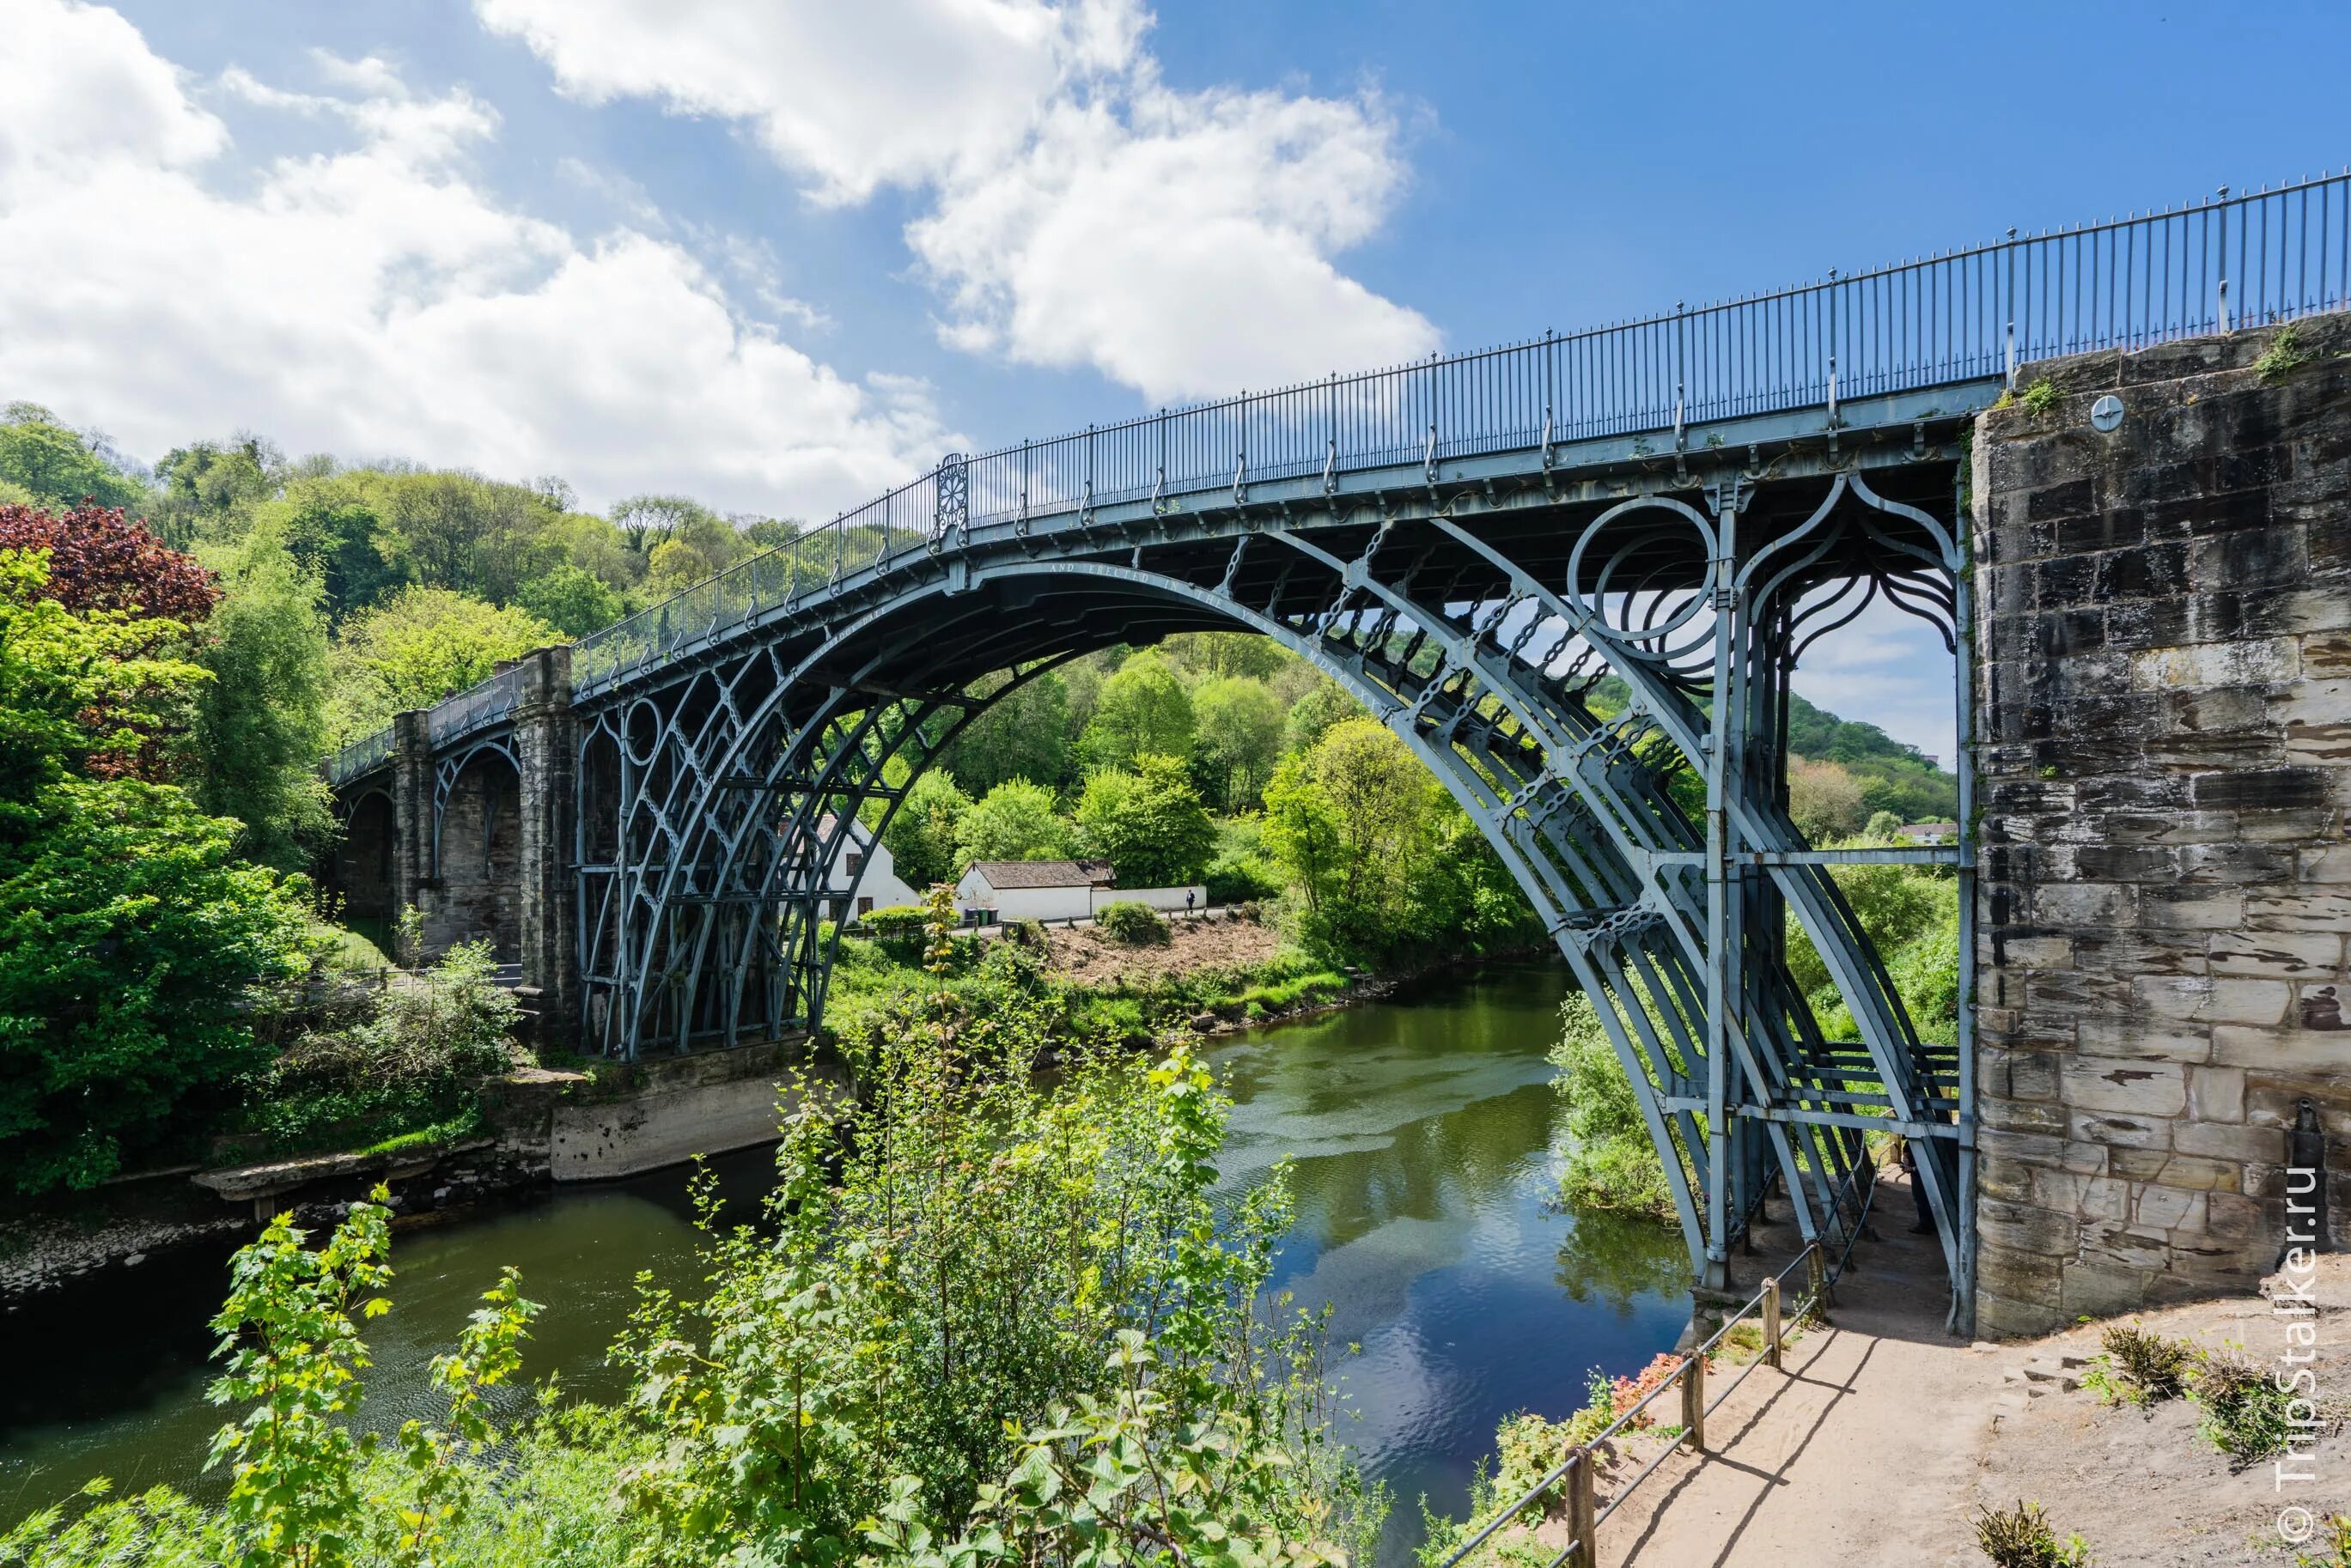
(2164, 768)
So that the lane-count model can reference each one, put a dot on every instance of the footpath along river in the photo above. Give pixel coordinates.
(1424, 1141)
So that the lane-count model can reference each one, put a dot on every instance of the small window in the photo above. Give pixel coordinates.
(856, 862)
(865, 907)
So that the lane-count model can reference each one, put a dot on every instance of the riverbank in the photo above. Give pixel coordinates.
(547, 1127)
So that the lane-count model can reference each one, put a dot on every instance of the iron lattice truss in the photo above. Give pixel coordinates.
(714, 787)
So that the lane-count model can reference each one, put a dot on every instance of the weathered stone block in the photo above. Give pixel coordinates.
(2217, 1095)
(2326, 1050)
(2145, 1087)
(2278, 954)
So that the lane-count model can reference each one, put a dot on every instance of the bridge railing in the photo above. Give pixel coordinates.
(1956, 318)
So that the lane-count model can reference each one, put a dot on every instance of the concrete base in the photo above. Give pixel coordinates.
(711, 1104)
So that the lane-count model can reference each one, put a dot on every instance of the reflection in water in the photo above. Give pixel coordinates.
(1422, 1135)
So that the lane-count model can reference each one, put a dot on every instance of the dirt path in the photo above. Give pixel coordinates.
(1221, 943)
(1859, 1452)
(1883, 1437)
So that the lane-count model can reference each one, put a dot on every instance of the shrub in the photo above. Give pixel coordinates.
(1131, 924)
(1240, 880)
(2246, 1415)
(2336, 1544)
(2021, 1537)
(897, 929)
(2141, 1367)
(415, 1066)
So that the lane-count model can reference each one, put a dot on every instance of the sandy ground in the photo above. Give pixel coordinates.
(1884, 1436)
(1082, 954)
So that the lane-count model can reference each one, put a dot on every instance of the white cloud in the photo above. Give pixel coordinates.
(372, 295)
(1082, 212)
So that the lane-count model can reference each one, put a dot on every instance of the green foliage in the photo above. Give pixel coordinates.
(2336, 1544)
(1131, 924)
(1240, 722)
(1014, 821)
(2247, 1415)
(1911, 916)
(2021, 1537)
(1823, 800)
(1239, 878)
(1311, 716)
(1893, 777)
(261, 722)
(56, 466)
(921, 837)
(897, 928)
(2039, 396)
(2139, 1367)
(573, 601)
(420, 646)
(414, 1060)
(2285, 355)
(1612, 1162)
(1024, 734)
(1143, 708)
(1386, 864)
(1148, 823)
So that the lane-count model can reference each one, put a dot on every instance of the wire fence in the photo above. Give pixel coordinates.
(1949, 319)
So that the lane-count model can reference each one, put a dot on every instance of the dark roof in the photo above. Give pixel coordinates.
(1001, 874)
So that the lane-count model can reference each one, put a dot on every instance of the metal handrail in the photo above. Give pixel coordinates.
(1956, 318)
(1582, 1454)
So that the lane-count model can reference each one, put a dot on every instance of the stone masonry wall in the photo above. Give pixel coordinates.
(2165, 769)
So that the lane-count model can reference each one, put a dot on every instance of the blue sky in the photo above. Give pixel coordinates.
(780, 256)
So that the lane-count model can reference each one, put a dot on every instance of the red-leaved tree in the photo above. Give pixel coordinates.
(102, 560)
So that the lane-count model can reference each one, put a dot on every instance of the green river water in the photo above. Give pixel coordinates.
(1424, 1137)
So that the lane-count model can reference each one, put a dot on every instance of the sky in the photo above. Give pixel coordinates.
(780, 256)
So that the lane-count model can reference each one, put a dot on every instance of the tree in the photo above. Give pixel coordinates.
(1882, 825)
(1148, 823)
(921, 837)
(98, 559)
(58, 466)
(337, 533)
(1143, 708)
(1825, 800)
(574, 602)
(1240, 729)
(418, 647)
(1311, 716)
(130, 930)
(1014, 821)
(646, 521)
(1352, 821)
(1022, 734)
(1210, 654)
(206, 481)
(260, 723)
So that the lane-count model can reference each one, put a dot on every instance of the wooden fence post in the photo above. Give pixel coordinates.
(1816, 1278)
(1582, 1518)
(1693, 1402)
(1772, 1324)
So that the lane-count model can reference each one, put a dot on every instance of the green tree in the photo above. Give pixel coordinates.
(1823, 800)
(57, 466)
(418, 647)
(337, 533)
(1142, 708)
(1148, 823)
(1014, 821)
(1211, 654)
(131, 930)
(1311, 716)
(204, 484)
(260, 723)
(921, 837)
(1022, 734)
(572, 601)
(1352, 821)
(1240, 729)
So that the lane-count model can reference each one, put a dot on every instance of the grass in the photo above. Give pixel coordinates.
(2137, 1367)
(2021, 1537)
(464, 1125)
(2282, 358)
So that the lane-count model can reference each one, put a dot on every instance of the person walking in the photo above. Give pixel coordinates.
(1188, 896)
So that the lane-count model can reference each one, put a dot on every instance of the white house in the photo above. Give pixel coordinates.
(861, 869)
(1927, 832)
(1059, 890)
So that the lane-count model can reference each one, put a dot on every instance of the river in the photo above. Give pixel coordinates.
(1423, 1135)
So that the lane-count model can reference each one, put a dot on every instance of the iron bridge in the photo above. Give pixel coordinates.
(1468, 545)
